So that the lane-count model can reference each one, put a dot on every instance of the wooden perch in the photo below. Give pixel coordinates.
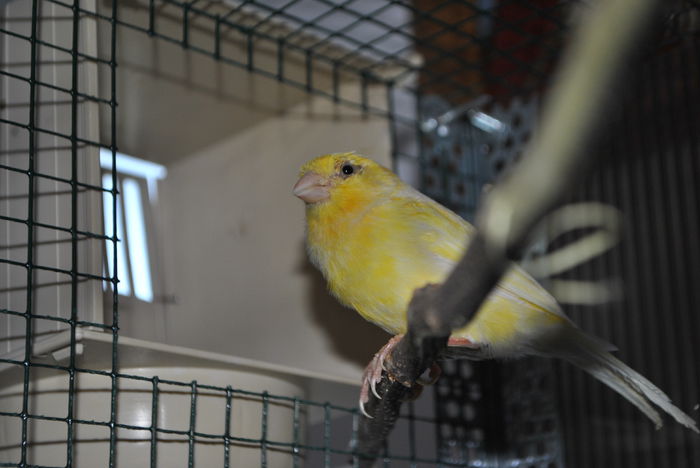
(602, 47)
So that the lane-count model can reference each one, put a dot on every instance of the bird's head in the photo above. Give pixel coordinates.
(342, 178)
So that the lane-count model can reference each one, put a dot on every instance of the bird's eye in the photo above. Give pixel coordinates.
(347, 169)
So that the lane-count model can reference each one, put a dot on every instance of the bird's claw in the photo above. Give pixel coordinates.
(363, 411)
(373, 386)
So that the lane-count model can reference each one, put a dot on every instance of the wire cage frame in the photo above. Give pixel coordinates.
(409, 59)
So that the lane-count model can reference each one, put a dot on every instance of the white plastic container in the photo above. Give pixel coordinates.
(252, 416)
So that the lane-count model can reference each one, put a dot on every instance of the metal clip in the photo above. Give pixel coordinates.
(477, 118)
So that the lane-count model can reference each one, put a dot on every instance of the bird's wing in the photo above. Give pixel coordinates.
(441, 232)
(445, 234)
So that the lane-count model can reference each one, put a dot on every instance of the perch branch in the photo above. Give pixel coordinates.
(601, 48)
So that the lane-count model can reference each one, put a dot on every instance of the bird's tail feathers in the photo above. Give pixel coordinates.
(591, 355)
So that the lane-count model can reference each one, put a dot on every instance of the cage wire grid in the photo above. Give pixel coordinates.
(232, 33)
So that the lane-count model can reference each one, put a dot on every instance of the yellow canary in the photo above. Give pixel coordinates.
(376, 239)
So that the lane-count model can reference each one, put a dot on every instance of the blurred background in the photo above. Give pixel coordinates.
(156, 304)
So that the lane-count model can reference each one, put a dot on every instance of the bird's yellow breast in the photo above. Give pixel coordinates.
(375, 260)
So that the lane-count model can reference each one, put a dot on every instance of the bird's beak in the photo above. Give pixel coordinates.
(312, 188)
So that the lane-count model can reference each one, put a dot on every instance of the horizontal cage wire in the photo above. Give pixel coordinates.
(462, 84)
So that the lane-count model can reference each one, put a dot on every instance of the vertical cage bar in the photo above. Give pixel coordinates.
(295, 436)
(592, 270)
(326, 435)
(154, 422)
(617, 186)
(217, 37)
(364, 99)
(193, 421)
(151, 17)
(412, 434)
(420, 137)
(309, 71)
(280, 59)
(608, 265)
(115, 279)
(336, 81)
(633, 261)
(393, 143)
(30, 235)
(127, 272)
(476, 185)
(263, 430)
(227, 426)
(249, 52)
(185, 25)
(652, 196)
(74, 228)
(584, 386)
(638, 201)
(353, 439)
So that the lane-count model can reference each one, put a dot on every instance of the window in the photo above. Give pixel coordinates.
(138, 191)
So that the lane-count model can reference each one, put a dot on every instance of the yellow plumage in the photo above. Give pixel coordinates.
(376, 240)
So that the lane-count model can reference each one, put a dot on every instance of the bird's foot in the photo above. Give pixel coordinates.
(373, 375)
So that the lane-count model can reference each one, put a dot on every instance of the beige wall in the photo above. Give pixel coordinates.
(233, 255)
(231, 270)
